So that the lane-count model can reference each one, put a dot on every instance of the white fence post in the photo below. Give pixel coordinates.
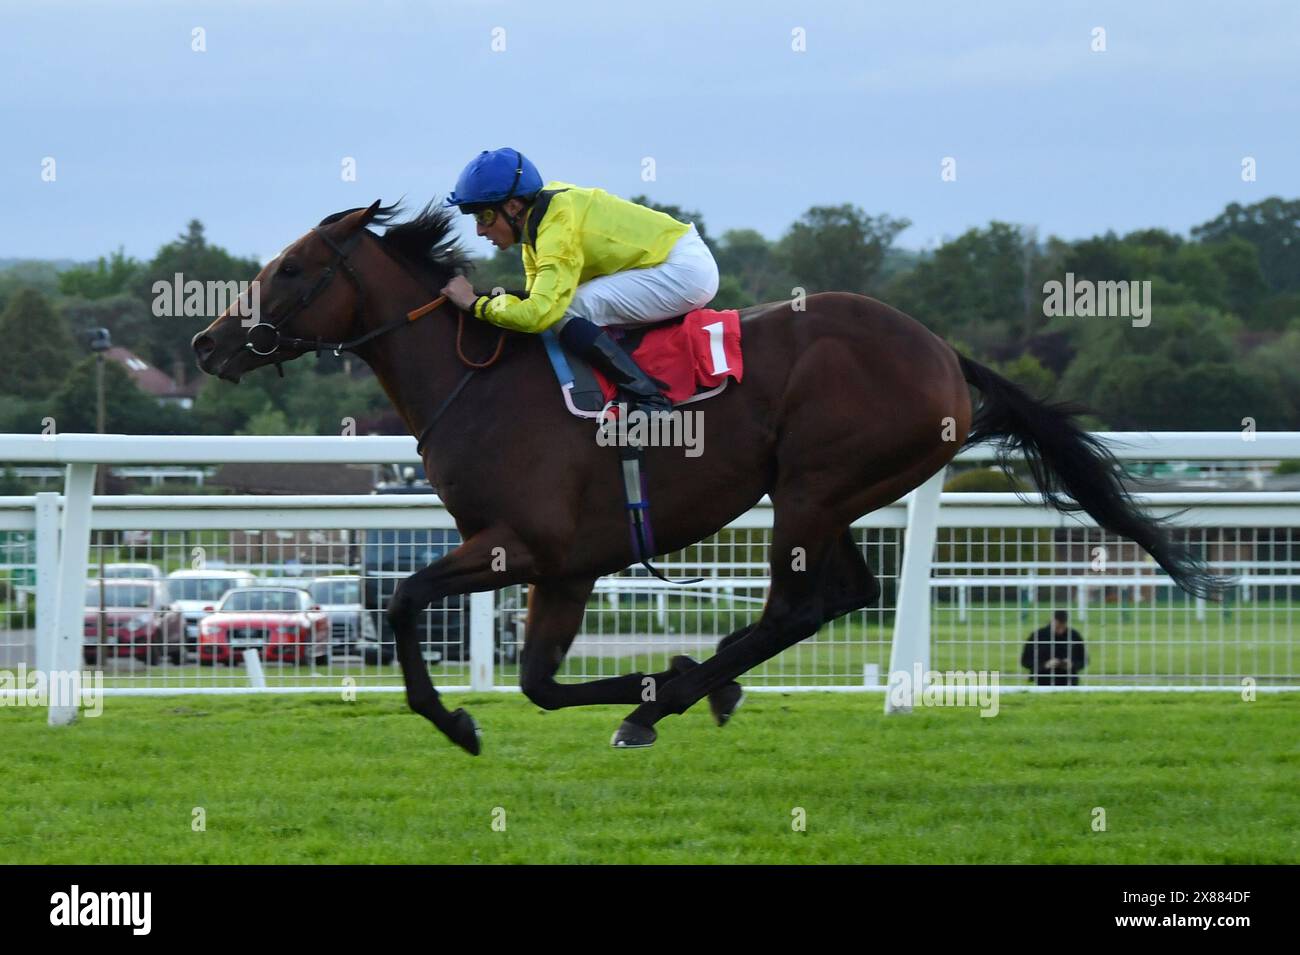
(47, 578)
(70, 614)
(253, 664)
(482, 628)
(911, 648)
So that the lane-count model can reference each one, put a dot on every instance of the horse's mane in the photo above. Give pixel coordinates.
(425, 241)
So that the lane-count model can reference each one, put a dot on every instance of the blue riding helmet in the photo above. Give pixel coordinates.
(495, 177)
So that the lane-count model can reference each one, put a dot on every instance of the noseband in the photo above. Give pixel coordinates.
(264, 338)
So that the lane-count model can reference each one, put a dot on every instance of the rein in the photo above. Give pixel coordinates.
(278, 342)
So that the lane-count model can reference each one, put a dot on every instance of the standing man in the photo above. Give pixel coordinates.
(1055, 654)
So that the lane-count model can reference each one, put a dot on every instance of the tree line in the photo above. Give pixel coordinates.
(1222, 343)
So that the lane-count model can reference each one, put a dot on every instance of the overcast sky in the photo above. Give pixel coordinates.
(250, 135)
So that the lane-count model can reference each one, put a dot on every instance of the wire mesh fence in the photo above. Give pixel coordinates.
(635, 623)
(993, 588)
(171, 609)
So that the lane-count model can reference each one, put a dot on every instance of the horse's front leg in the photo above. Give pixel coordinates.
(555, 611)
(473, 566)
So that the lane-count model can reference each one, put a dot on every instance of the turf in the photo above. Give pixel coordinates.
(1181, 778)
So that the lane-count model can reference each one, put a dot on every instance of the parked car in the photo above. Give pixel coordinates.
(196, 592)
(389, 556)
(281, 622)
(136, 621)
(352, 629)
(132, 572)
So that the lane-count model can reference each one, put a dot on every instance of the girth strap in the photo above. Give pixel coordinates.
(631, 461)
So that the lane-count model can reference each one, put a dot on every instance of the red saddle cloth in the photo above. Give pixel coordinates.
(693, 357)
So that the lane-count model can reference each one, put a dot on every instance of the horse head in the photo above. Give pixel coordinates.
(308, 297)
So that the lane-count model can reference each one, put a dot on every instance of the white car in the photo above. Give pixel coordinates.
(131, 571)
(196, 593)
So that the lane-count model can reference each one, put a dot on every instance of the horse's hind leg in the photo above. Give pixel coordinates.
(847, 581)
(794, 611)
(555, 610)
(835, 461)
(815, 531)
(847, 585)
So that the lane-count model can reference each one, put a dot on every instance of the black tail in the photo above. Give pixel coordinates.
(1066, 460)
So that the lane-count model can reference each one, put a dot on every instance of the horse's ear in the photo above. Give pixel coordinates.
(356, 221)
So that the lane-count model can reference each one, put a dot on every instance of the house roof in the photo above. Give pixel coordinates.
(146, 377)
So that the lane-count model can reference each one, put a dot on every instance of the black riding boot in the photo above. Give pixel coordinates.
(635, 387)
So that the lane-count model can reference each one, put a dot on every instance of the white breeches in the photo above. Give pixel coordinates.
(686, 280)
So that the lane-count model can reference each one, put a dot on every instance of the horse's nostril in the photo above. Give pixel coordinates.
(203, 346)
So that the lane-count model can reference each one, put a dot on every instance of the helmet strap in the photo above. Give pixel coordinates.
(516, 226)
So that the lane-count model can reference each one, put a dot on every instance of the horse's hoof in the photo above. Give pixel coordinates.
(724, 702)
(463, 731)
(631, 736)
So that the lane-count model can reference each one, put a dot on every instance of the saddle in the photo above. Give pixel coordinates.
(693, 356)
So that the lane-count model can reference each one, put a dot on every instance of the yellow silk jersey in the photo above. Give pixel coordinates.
(581, 234)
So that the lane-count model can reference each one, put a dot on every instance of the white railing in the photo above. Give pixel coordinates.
(62, 524)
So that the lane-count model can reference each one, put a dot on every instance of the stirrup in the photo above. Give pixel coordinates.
(650, 405)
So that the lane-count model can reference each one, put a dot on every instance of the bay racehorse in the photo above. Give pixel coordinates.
(846, 405)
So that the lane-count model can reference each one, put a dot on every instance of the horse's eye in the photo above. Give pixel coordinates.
(289, 269)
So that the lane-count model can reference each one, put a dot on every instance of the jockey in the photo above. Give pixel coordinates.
(591, 260)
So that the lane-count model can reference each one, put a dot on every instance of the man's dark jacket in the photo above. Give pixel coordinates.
(1043, 645)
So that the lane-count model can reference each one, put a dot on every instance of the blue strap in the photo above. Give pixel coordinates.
(556, 354)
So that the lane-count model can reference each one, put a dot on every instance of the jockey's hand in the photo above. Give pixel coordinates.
(460, 292)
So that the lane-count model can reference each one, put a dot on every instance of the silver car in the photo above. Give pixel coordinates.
(352, 630)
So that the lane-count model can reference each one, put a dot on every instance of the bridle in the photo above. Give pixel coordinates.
(278, 342)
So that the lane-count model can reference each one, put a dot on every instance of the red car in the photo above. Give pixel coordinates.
(137, 621)
(281, 623)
